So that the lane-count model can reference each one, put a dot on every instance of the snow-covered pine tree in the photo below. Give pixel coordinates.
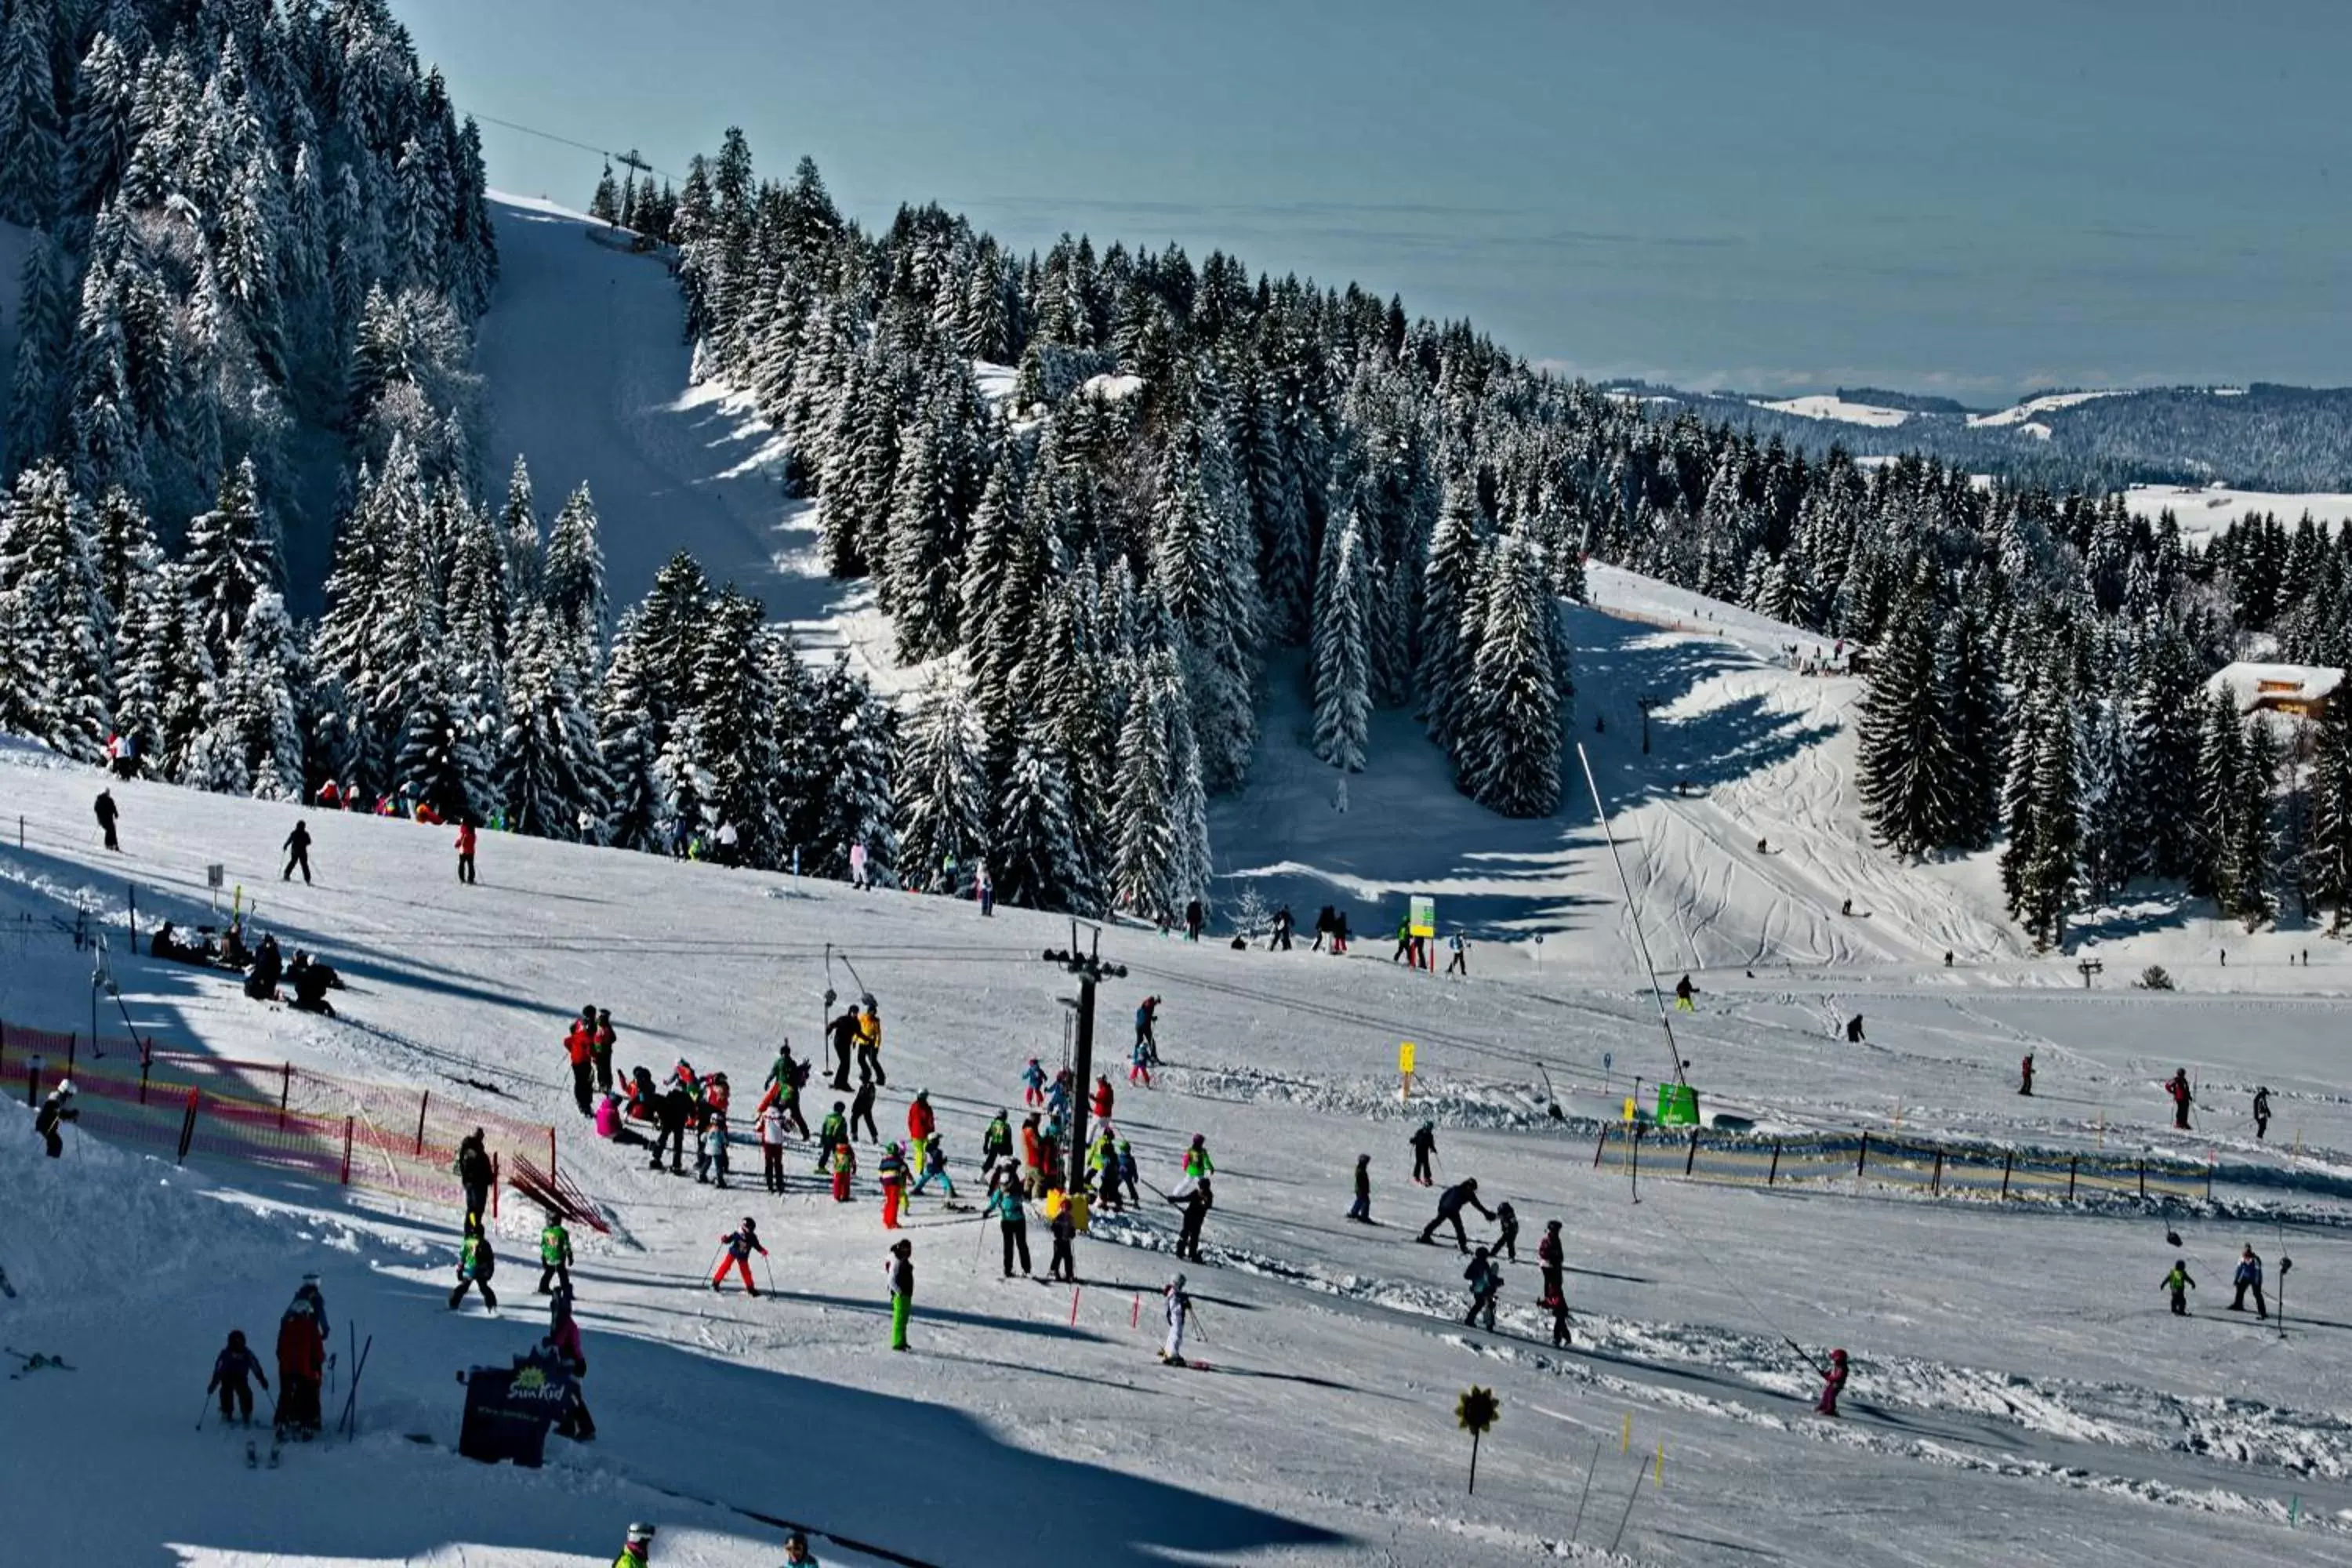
(232, 557)
(2327, 860)
(2253, 836)
(925, 553)
(32, 150)
(1511, 746)
(257, 712)
(550, 771)
(1448, 629)
(44, 341)
(519, 536)
(635, 806)
(740, 717)
(440, 762)
(49, 568)
(1911, 779)
(1036, 842)
(604, 206)
(856, 730)
(942, 791)
(104, 430)
(1342, 668)
(2164, 751)
(574, 584)
(100, 132)
(2213, 868)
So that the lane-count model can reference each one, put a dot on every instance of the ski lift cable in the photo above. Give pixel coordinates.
(567, 141)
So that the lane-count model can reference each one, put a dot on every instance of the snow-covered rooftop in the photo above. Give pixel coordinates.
(2252, 685)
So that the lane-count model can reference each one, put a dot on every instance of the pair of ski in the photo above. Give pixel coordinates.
(35, 1361)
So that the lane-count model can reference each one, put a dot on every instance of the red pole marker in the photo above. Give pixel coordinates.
(1074, 1305)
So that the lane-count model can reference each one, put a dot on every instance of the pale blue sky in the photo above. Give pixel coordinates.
(1763, 195)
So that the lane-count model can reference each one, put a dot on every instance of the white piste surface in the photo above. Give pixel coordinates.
(2205, 511)
(1828, 405)
(2018, 414)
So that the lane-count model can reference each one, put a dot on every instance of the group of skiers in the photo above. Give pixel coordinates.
(302, 1336)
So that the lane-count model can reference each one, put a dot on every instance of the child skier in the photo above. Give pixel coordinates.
(1425, 1148)
(1032, 1084)
(1062, 1224)
(891, 1172)
(231, 1368)
(996, 1144)
(1485, 1279)
(1146, 1021)
(739, 1244)
(1102, 1165)
(1360, 1210)
(1833, 1384)
(935, 1163)
(845, 1165)
(1138, 1066)
(1178, 1309)
(1127, 1177)
(2179, 1284)
(710, 1151)
(476, 1261)
(1197, 1163)
(834, 1129)
(1551, 1260)
(1507, 1244)
(901, 1272)
(554, 1254)
(771, 1126)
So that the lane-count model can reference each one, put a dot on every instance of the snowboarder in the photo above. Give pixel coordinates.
(107, 813)
(301, 1362)
(580, 1050)
(1833, 1384)
(1425, 1148)
(1485, 1283)
(477, 1262)
(473, 1172)
(844, 1166)
(1178, 1306)
(1853, 1030)
(298, 853)
(738, 1246)
(1551, 1259)
(1100, 1103)
(638, 1549)
(1460, 962)
(841, 1034)
(869, 1044)
(1196, 1206)
(1146, 1016)
(2025, 1075)
(861, 1112)
(2182, 1098)
(1683, 990)
(56, 1107)
(1198, 1166)
(1011, 1220)
(891, 1172)
(1507, 1245)
(554, 1255)
(2261, 1114)
(1360, 1211)
(2179, 1283)
(1033, 1083)
(2249, 1277)
(1192, 920)
(1062, 1225)
(901, 1272)
(231, 1368)
(1450, 1205)
(466, 849)
(832, 1129)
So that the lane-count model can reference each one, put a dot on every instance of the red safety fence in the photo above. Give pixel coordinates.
(386, 1137)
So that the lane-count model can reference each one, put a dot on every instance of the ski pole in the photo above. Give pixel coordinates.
(204, 1408)
(1802, 1351)
(768, 1268)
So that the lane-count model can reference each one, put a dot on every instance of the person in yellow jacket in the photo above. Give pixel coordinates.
(845, 1165)
(869, 1044)
(638, 1549)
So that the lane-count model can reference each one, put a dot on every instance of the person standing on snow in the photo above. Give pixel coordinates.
(844, 1166)
(771, 1126)
(473, 1172)
(57, 1109)
(638, 1549)
(1460, 962)
(1360, 1210)
(1198, 1166)
(1011, 1220)
(891, 1172)
(900, 1271)
(710, 1149)
(1138, 1065)
(302, 1364)
(1127, 1177)
(1147, 1020)
(308, 1294)
(1192, 920)
(1062, 1225)
(554, 1255)
(921, 1122)
(1033, 1155)
(2182, 1098)
(1178, 1306)
(476, 1261)
(740, 1244)
(2178, 1282)
(2261, 1114)
(841, 1034)
(1550, 1258)
(1450, 1204)
(673, 1110)
(869, 1044)
(1833, 1384)
(857, 877)
(466, 849)
(1100, 1103)
(2249, 1277)
(796, 1551)
(231, 1368)
(995, 1144)
(298, 853)
(1280, 941)
(1032, 1084)
(933, 1160)
(1102, 1167)
(1196, 1206)
(861, 1112)
(108, 811)
(1486, 1278)
(1424, 1149)
(600, 1049)
(1684, 992)
(2025, 1075)
(580, 1050)
(832, 1129)
(1507, 1245)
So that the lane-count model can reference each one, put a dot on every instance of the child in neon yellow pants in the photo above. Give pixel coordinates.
(901, 1271)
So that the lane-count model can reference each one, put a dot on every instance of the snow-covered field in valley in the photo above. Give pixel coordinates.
(2021, 1393)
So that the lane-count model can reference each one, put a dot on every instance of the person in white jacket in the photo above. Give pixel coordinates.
(1180, 1312)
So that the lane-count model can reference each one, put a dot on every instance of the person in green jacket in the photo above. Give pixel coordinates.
(2179, 1284)
(901, 1272)
(476, 1263)
(832, 1129)
(554, 1255)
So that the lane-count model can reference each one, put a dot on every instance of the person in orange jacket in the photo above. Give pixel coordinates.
(465, 850)
(579, 1045)
(1102, 1099)
(1033, 1153)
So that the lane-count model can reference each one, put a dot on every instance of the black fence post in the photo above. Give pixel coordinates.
(2072, 1166)
(188, 1126)
(2143, 1178)
(1774, 1174)
(1936, 1182)
(1863, 1158)
(1691, 1159)
(2008, 1164)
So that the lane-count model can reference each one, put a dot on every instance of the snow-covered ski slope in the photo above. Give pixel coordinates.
(2021, 1395)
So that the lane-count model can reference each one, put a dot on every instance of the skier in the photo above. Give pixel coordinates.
(55, 1108)
(473, 1172)
(580, 1049)
(673, 1110)
(1485, 1279)
(308, 1295)
(2177, 1087)
(710, 1151)
(2025, 1075)
(1196, 1206)
(107, 812)
(1101, 1103)
(1062, 1225)
(901, 1272)
(2178, 1282)
(1192, 921)
(739, 1245)
(1198, 1166)
(466, 849)
(996, 1144)
(1833, 1384)
(1032, 1084)
(1102, 1163)
(1058, 1098)
(891, 1172)
(1012, 1221)
(934, 1158)
(771, 1126)
(1561, 1337)
(2249, 1277)
(861, 1111)
(1324, 921)
(841, 1034)
(638, 1549)
(921, 1120)
(1683, 990)
(554, 1255)
(1339, 923)
(1507, 1244)
(298, 853)
(869, 1044)
(231, 1368)
(1450, 1204)
(857, 877)
(1147, 1017)
(1404, 947)
(1551, 1259)
(832, 1129)
(844, 1166)
(2262, 1112)
(301, 1362)
(1425, 1148)
(1127, 1176)
(1460, 962)
(600, 1049)
(1360, 1210)
(1033, 1154)
(477, 1262)
(1178, 1309)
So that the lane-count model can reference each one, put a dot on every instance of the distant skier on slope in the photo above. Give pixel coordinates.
(1033, 1082)
(1450, 1205)
(231, 1369)
(2249, 1276)
(1178, 1307)
(476, 1261)
(2025, 1075)
(1684, 991)
(2182, 1098)
(1425, 1148)
(2261, 1114)
(57, 1109)
(298, 853)
(1485, 1279)
(1360, 1210)
(108, 814)
(2178, 1282)
(1833, 1384)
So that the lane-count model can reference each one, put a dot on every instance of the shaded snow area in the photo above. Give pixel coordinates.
(2021, 1393)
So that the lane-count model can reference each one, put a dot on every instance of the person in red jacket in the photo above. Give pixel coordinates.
(1833, 1384)
(921, 1122)
(2182, 1098)
(465, 850)
(1102, 1098)
(577, 1044)
(1032, 1154)
(301, 1362)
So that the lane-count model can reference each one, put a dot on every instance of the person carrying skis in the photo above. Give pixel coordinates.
(769, 1125)
(861, 1112)
(1100, 1103)
(832, 1129)
(1450, 1205)
(1147, 1020)
(302, 1364)
(1178, 1306)
(579, 1049)
(2261, 1114)
(891, 1172)
(1424, 1149)
(1360, 1210)
(2177, 1087)
(57, 1109)
(1507, 1245)
(298, 853)
(477, 1262)
(841, 1036)
(466, 849)
(869, 1044)
(2178, 1282)
(2249, 1277)
(739, 1245)
(600, 1049)
(900, 1271)
(1011, 1220)
(1486, 1278)
(1550, 1258)
(108, 811)
(933, 1159)
(1833, 1384)
(996, 1144)
(638, 1549)
(1196, 1206)
(844, 1166)
(1032, 1084)
(473, 1172)
(554, 1255)
(1062, 1225)
(231, 1368)
(921, 1120)
(2025, 1075)
(1198, 1166)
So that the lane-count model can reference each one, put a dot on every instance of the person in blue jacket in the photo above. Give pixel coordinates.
(2249, 1277)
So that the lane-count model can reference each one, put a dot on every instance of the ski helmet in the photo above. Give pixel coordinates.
(750, 1224)
(1176, 1283)
(65, 1086)
(641, 1534)
(1837, 1355)
(237, 1339)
